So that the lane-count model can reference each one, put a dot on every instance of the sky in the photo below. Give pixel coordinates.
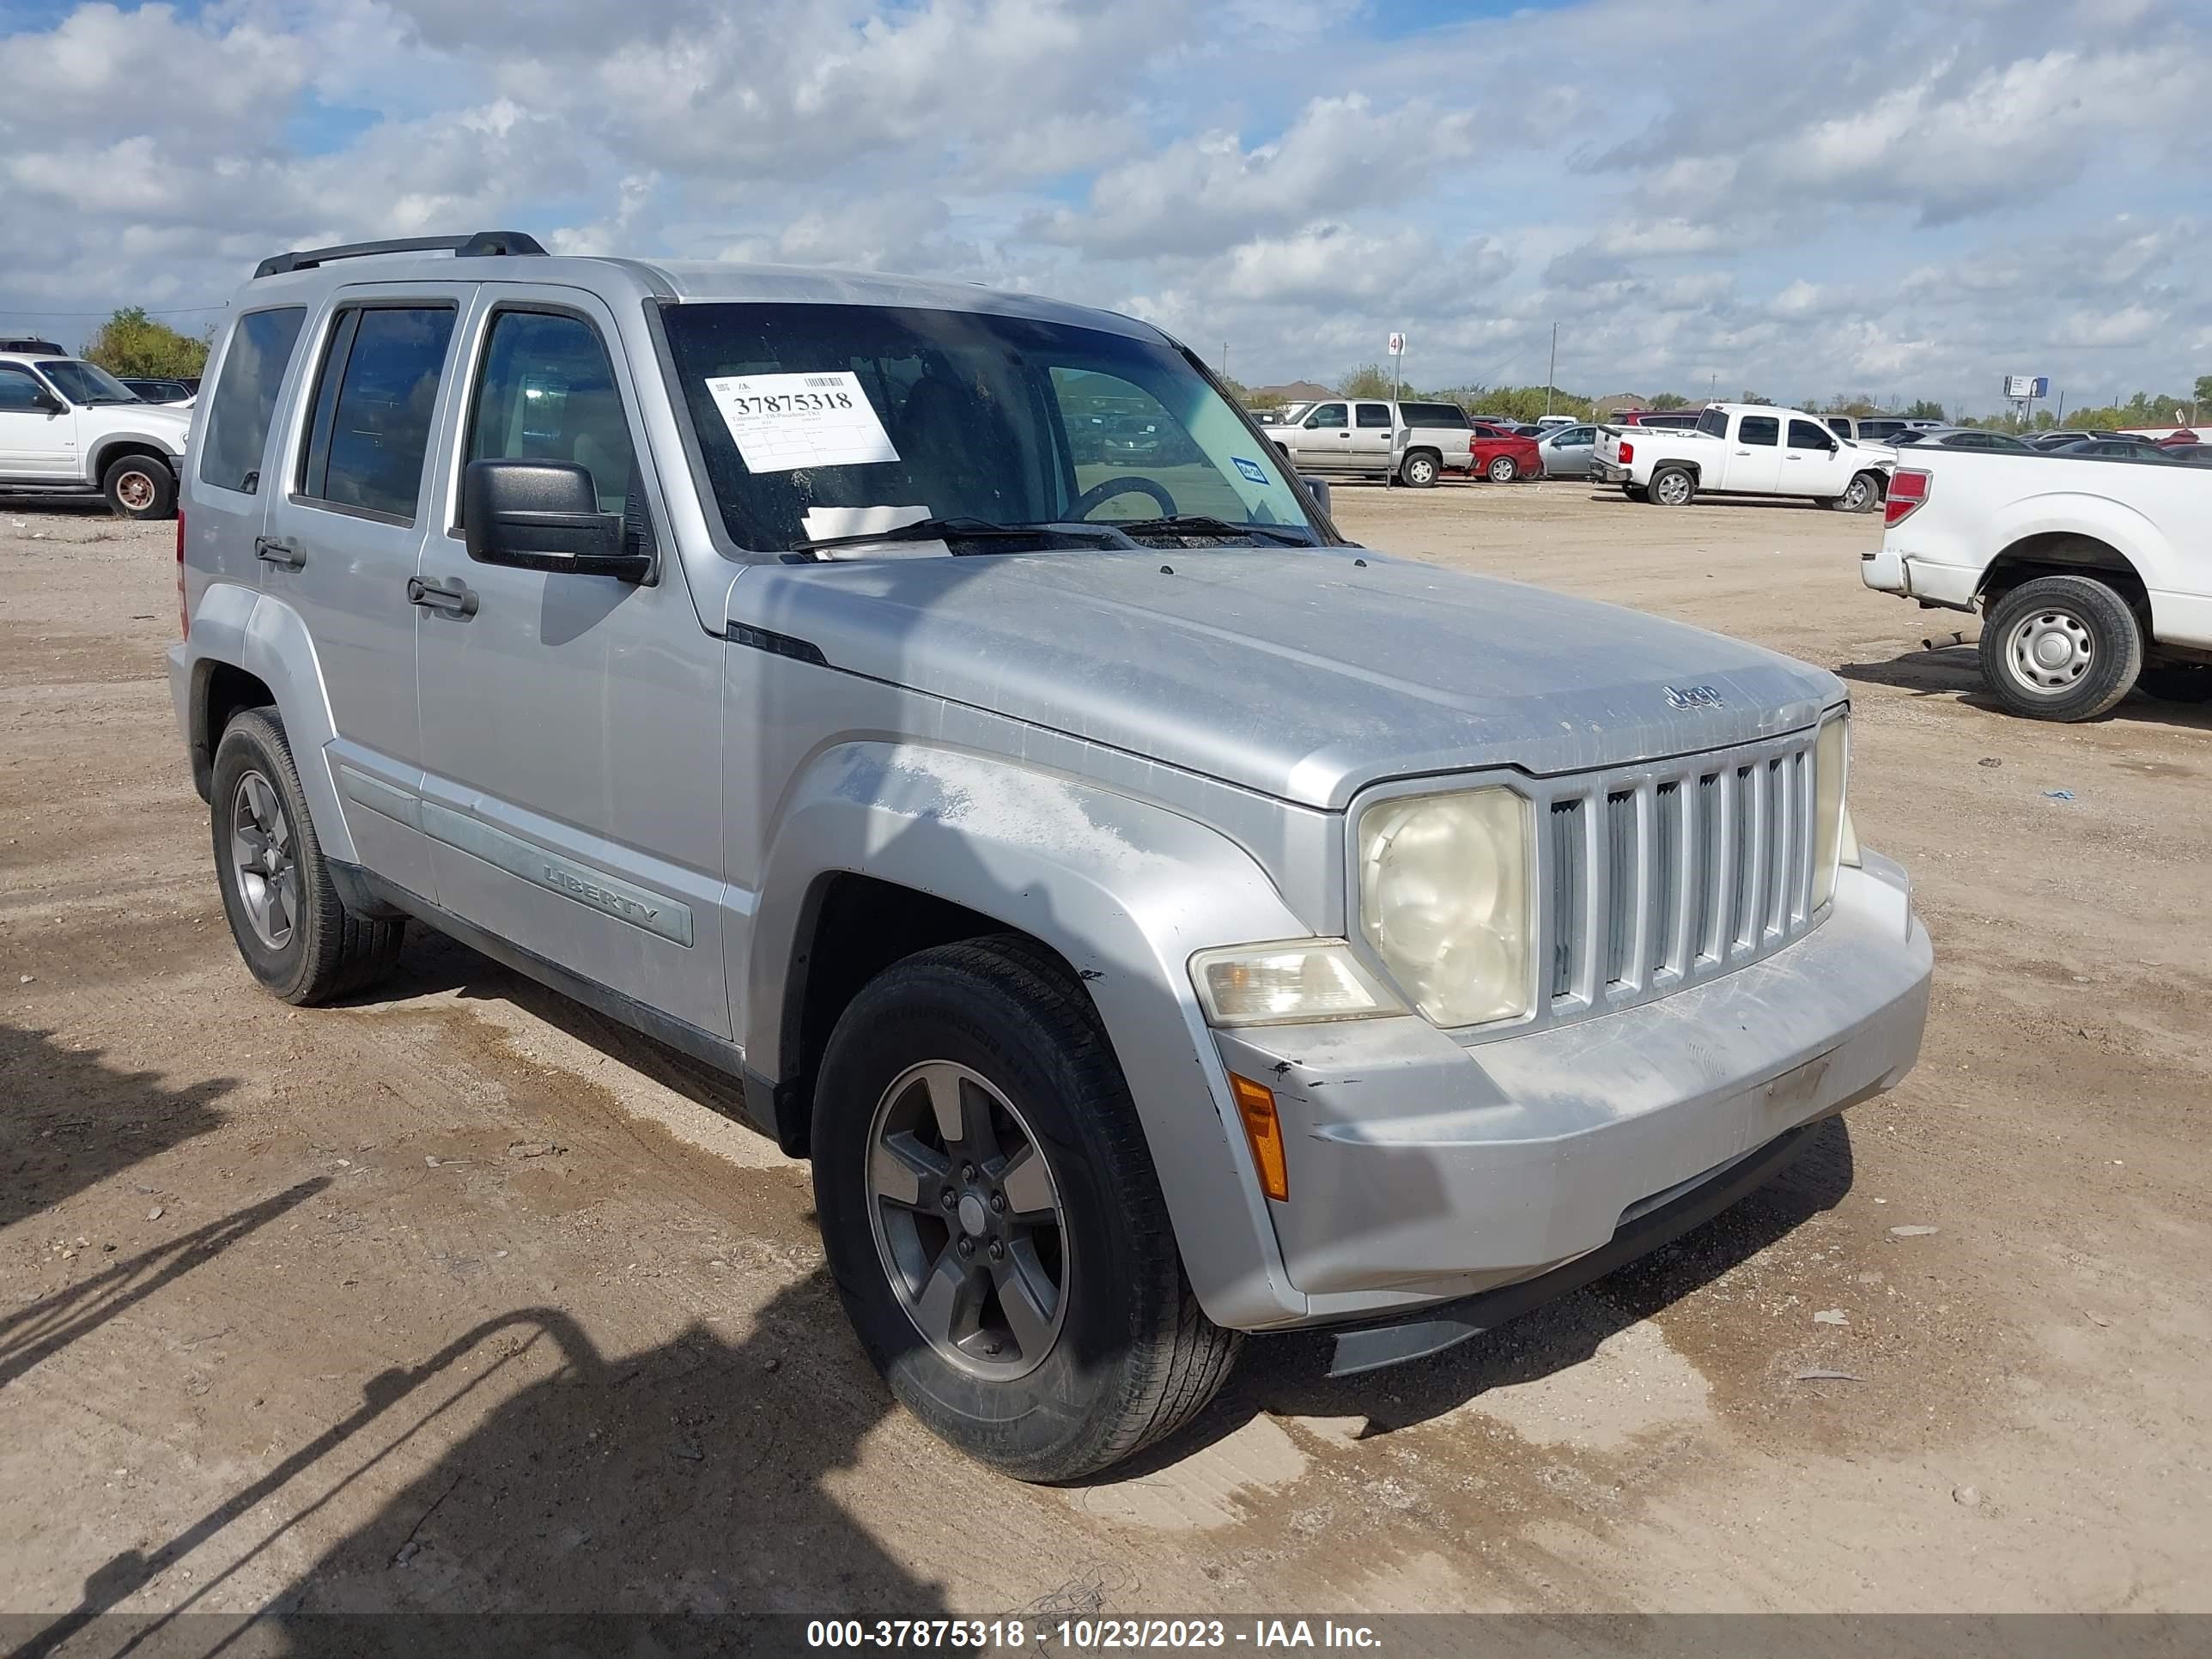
(1801, 198)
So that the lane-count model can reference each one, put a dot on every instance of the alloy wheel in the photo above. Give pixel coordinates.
(968, 1220)
(262, 861)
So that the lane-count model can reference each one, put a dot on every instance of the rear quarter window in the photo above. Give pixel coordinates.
(246, 396)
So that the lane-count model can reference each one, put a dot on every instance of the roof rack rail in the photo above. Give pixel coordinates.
(480, 243)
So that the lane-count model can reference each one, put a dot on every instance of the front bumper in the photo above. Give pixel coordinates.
(1422, 1169)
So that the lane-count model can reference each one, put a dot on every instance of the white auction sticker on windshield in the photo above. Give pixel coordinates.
(785, 422)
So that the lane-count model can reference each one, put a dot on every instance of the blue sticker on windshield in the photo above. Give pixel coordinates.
(1251, 469)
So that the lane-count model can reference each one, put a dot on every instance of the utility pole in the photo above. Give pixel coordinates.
(1224, 360)
(1552, 374)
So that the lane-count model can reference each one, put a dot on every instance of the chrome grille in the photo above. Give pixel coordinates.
(1660, 876)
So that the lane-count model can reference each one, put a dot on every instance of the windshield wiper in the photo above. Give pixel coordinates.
(948, 530)
(1202, 523)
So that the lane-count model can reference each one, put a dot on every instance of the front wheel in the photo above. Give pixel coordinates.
(140, 487)
(2061, 648)
(990, 1212)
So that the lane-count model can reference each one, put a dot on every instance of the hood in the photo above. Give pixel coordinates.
(1302, 674)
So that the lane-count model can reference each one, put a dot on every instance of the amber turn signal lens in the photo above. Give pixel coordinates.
(1255, 1104)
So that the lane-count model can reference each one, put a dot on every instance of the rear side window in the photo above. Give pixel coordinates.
(1446, 415)
(18, 390)
(1763, 429)
(1841, 424)
(373, 403)
(245, 397)
(1374, 414)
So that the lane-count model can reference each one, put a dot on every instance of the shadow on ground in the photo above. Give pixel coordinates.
(682, 1483)
(1954, 670)
(69, 1121)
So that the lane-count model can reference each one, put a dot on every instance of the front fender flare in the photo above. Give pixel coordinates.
(1123, 889)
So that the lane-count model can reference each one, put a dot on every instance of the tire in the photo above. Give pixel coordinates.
(1862, 494)
(2177, 682)
(303, 945)
(2061, 648)
(140, 487)
(1501, 469)
(1128, 1356)
(1636, 492)
(1672, 486)
(1418, 471)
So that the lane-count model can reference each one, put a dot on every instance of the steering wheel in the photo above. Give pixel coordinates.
(1104, 491)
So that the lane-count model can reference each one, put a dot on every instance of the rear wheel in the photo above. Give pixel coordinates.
(1862, 494)
(991, 1214)
(1501, 469)
(2061, 648)
(295, 933)
(140, 487)
(1418, 471)
(1672, 486)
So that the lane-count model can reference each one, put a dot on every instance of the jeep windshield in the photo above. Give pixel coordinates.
(819, 423)
(86, 384)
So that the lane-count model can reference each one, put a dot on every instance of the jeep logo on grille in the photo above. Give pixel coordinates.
(1694, 696)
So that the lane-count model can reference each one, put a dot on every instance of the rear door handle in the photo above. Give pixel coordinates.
(284, 555)
(458, 600)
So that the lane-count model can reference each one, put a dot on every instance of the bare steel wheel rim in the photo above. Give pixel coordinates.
(135, 490)
(2049, 651)
(968, 1221)
(1501, 469)
(263, 865)
(1673, 489)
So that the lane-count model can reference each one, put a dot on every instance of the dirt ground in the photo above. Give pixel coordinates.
(454, 1298)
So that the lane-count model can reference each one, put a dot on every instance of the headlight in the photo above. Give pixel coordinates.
(1444, 900)
(1832, 757)
(1292, 984)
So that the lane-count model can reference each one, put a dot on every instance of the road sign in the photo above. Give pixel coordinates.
(1397, 345)
(2027, 385)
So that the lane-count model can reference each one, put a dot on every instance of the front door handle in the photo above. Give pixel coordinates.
(458, 600)
(285, 556)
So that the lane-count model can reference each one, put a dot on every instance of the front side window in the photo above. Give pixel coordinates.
(1327, 415)
(1577, 437)
(18, 390)
(1373, 416)
(373, 406)
(86, 384)
(815, 420)
(1803, 434)
(548, 393)
(245, 398)
(1760, 429)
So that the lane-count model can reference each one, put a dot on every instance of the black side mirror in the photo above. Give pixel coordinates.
(544, 515)
(45, 400)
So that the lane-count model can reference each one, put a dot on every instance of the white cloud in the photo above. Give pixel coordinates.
(1763, 195)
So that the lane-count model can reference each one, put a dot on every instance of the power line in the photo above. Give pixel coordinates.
(151, 311)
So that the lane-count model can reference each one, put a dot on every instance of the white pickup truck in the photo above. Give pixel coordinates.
(2093, 576)
(1744, 449)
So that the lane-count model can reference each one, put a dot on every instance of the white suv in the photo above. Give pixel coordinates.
(69, 428)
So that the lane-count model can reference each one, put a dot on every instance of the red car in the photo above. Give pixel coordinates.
(2174, 439)
(1673, 418)
(1501, 456)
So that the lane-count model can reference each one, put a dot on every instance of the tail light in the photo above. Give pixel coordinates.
(1908, 493)
(1627, 452)
(184, 616)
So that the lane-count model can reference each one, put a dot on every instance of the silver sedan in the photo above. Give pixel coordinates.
(1566, 452)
